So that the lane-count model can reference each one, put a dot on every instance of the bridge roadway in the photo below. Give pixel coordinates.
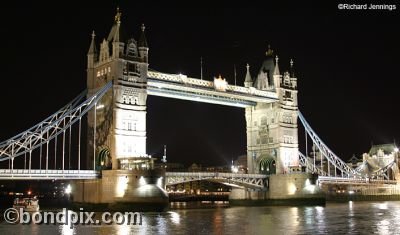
(43, 174)
(248, 180)
(353, 181)
(233, 179)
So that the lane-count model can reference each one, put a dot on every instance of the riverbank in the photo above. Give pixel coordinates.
(357, 197)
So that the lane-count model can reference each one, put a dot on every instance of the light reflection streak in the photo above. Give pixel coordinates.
(175, 217)
(161, 224)
(352, 223)
(122, 229)
(383, 227)
(309, 215)
(383, 206)
(320, 218)
(67, 230)
(295, 215)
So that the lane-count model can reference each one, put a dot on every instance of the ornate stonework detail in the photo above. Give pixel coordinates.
(287, 118)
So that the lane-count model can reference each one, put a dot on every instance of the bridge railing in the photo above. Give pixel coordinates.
(215, 174)
(35, 174)
(44, 171)
(335, 180)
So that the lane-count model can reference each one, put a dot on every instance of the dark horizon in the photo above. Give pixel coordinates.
(345, 63)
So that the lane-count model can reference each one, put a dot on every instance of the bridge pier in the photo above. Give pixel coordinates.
(123, 190)
(284, 189)
(238, 194)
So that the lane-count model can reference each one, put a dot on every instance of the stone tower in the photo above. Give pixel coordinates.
(272, 140)
(119, 138)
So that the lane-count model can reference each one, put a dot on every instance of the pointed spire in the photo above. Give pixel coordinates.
(269, 51)
(248, 82)
(117, 17)
(292, 68)
(142, 39)
(276, 70)
(114, 35)
(116, 32)
(92, 48)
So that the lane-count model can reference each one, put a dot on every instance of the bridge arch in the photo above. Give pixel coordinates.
(104, 158)
(256, 181)
(266, 164)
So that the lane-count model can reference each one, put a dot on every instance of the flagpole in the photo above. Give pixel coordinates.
(201, 68)
(234, 72)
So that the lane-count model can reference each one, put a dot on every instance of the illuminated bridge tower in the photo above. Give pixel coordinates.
(272, 139)
(120, 135)
(117, 126)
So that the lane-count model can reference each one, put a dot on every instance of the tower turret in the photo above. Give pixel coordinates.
(143, 47)
(292, 68)
(265, 79)
(115, 36)
(91, 59)
(277, 75)
(91, 55)
(293, 79)
(248, 82)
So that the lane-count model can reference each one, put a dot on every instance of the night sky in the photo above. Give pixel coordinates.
(347, 64)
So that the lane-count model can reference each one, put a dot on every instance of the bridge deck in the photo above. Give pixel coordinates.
(353, 181)
(25, 174)
(256, 180)
(216, 174)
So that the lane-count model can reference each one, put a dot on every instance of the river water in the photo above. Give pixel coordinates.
(334, 218)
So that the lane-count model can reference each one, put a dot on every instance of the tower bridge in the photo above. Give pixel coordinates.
(116, 165)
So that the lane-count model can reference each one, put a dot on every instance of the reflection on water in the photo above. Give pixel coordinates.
(175, 217)
(335, 218)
